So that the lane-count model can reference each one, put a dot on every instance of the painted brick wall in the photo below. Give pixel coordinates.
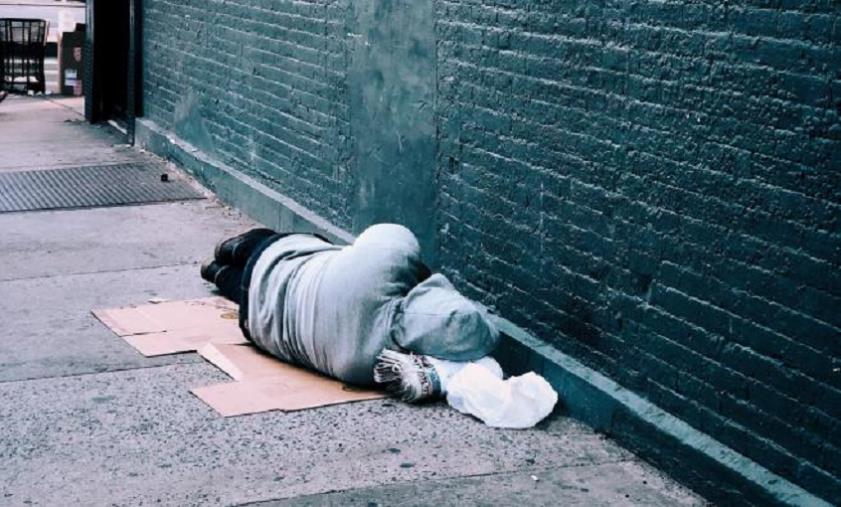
(652, 186)
(327, 101)
(655, 188)
(260, 84)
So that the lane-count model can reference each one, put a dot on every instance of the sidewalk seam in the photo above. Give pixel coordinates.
(106, 271)
(535, 470)
(109, 372)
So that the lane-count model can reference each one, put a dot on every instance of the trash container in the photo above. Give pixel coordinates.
(22, 45)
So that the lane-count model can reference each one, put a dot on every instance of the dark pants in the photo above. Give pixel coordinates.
(234, 277)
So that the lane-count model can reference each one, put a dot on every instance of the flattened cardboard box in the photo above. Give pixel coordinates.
(171, 327)
(210, 326)
(262, 383)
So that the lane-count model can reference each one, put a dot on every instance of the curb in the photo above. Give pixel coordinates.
(694, 458)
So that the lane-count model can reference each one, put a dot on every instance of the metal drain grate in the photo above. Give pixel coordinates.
(83, 187)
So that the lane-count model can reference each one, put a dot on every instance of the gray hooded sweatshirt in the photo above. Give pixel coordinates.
(334, 309)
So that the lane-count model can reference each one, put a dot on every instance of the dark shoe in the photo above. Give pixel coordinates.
(228, 279)
(3, 95)
(235, 251)
(210, 270)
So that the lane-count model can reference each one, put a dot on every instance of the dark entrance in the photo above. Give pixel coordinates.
(112, 62)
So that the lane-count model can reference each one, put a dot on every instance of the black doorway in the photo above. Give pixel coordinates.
(112, 62)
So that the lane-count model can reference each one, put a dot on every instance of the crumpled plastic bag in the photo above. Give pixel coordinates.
(471, 387)
(447, 369)
(518, 402)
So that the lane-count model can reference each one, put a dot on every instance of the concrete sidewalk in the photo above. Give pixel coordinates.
(86, 420)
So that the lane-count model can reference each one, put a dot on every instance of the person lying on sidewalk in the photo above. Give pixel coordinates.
(366, 313)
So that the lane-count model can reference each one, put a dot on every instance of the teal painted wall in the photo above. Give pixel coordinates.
(652, 187)
(391, 79)
(331, 103)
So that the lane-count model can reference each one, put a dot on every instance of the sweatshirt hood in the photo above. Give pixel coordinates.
(434, 319)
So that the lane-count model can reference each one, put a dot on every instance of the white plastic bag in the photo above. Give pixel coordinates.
(447, 369)
(519, 402)
(474, 388)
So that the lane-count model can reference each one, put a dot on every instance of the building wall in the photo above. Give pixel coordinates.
(259, 84)
(327, 101)
(655, 187)
(652, 187)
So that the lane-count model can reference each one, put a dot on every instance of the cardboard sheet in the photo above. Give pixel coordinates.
(263, 383)
(210, 326)
(170, 327)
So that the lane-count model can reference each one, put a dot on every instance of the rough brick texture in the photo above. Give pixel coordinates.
(260, 84)
(652, 186)
(655, 188)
